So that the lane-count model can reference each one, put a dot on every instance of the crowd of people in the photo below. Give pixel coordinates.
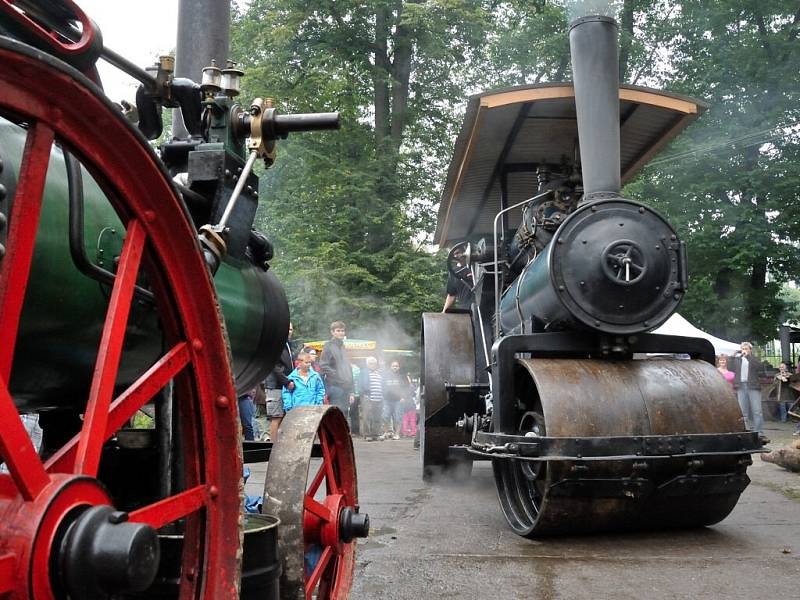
(744, 372)
(383, 403)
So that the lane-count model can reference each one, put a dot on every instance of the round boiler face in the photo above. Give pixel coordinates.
(618, 267)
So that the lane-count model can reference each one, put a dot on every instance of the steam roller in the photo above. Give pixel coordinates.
(546, 364)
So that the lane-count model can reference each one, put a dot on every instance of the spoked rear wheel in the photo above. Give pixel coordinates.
(57, 516)
(319, 524)
(521, 485)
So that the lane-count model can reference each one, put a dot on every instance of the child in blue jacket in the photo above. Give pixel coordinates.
(308, 387)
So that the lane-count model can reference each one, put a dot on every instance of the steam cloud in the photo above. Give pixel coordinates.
(583, 8)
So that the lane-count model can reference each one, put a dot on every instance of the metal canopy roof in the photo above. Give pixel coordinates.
(517, 128)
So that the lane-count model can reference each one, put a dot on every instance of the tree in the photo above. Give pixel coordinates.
(345, 209)
(730, 184)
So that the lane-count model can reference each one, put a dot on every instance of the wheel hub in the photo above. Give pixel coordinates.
(102, 554)
(69, 539)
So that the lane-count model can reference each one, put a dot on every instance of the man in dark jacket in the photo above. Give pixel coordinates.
(746, 370)
(336, 370)
(274, 384)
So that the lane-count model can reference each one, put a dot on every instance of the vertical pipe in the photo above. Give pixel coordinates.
(166, 450)
(203, 34)
(595, 72)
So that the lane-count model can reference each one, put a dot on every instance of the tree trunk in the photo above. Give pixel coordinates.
(625, 38)
(787, 457)
(381, 76)
(401, 74)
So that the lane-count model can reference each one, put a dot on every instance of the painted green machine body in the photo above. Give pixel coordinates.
(64, 309)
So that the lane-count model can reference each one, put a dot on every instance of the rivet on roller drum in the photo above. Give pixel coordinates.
(2, 190)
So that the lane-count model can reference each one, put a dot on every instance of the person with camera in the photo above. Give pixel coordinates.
(747, 369)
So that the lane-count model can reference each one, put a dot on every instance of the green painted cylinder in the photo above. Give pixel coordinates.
(64, 309)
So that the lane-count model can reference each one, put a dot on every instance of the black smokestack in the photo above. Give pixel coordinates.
(595, 72)
(203, 34)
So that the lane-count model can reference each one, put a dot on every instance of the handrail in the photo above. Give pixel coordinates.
(496, 253)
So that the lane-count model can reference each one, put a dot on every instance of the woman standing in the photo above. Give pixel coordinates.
(722, 367)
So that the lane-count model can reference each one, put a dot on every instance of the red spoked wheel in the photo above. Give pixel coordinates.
(60, 533)
(319, 524)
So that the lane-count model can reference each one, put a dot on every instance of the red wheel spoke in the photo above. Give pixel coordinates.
(22, 226)
(7, 564)
(105, 371)
(8, 488)
(328, 456)
(171, 509)
(318, 509)
(16, 449)
(319, 569)
(315, 483)
(131, 400)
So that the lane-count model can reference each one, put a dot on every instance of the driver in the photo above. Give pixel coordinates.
(459, 279)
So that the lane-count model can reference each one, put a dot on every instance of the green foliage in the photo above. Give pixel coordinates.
(350, 211)
(732, 185)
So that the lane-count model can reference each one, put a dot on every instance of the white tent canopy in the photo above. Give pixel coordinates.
(677, 325)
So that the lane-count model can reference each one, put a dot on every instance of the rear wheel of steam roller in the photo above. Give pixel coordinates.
(448, 357)
(522, 485)
(59, 532)
(319, 523)
(568, 398)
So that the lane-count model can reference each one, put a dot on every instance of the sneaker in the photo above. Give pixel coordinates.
(382, 437)
(395, 437)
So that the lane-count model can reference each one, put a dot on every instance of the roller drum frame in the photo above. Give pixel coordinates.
(624, 445)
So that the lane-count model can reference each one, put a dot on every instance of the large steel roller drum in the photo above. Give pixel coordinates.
(596, 398)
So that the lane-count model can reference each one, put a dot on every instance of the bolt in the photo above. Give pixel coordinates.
(228, 173)
(561, 288)
(149, 216)
(222, 402)
(646, 323)
(239, 171)
(1, 165)
(621, 307)
(3, 221)
(583, 242)
(583, 283)
(641, 210)
(658, 247)
(677, 297)
(197, 344)
(594, 209)
(2, 192)
(622, 224)
(673, 237)
(249, 189)
(190, 574)
(658, 287)
(2, 251)
(117, 517)
(597, 323)
(213, 491)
